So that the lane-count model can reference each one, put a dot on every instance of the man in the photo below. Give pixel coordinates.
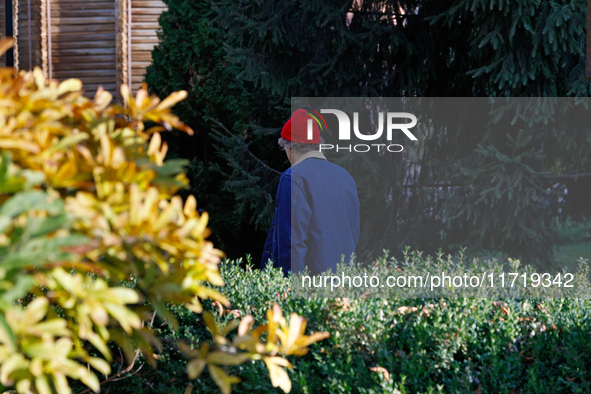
(317, 209)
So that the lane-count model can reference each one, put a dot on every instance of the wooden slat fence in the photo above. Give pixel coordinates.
(83, 43)
(144, 24)
(100, 42)
(2, 29)
(29, 34)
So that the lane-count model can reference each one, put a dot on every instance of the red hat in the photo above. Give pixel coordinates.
(296, 128)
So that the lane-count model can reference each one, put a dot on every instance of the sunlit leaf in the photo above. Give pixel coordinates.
(279, 377)
(5, 44)
(222, 379)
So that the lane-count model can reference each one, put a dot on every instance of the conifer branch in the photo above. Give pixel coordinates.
(245, 147)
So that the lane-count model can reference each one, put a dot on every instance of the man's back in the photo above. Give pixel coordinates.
(324, 215)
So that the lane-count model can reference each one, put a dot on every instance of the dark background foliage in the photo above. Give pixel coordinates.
(242, 61)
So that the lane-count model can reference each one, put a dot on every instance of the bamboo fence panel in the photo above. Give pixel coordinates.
(100, 42)
(144, 25)
(83, 43)
(3, 27)
(29, 34)
(2, 30)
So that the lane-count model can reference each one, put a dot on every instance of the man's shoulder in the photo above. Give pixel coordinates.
(286, 174)
(320, 167)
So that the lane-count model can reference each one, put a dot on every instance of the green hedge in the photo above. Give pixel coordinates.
(445, 345)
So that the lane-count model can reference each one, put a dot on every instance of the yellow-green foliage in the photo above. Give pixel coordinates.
(87, 201)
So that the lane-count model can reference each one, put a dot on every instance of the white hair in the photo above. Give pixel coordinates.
(299, 147)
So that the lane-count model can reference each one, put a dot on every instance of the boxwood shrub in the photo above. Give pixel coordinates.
(394, 345)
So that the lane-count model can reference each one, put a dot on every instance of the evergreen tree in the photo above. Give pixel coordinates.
(432, 48)
(190, 57)
(267, 52)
